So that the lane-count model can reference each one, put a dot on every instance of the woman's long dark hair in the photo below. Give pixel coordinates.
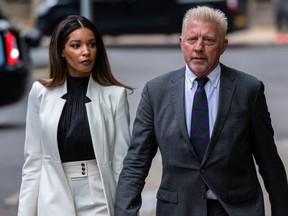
(101, 71)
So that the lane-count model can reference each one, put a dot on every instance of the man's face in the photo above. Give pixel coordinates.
(202, 45)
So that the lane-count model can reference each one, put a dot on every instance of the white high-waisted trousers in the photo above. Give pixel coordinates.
(86, 186)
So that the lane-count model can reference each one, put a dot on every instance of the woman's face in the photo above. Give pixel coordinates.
(80, 52)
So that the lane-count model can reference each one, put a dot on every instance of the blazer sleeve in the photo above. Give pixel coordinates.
(269, 162)
(32, 157)
(123, 136)
(138, 160)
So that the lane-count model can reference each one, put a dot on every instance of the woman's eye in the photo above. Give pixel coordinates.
(75, 46)
(92, 45)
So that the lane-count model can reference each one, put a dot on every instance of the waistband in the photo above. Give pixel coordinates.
(76, 169)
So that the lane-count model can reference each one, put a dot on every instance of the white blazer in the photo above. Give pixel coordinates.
(44, 189)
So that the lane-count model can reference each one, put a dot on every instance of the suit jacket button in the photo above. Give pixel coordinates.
(202, 171)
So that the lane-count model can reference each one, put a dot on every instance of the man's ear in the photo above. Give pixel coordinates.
(224, 46)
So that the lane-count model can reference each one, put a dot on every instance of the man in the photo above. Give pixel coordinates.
(204, 174)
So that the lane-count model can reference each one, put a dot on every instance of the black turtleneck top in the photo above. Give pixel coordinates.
(74, 138)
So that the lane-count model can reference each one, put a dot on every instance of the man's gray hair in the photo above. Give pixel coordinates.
(206, 14)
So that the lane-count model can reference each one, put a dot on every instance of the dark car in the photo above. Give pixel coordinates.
(14, 61)
(118, 17)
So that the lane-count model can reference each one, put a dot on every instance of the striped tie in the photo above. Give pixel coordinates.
(200, 119)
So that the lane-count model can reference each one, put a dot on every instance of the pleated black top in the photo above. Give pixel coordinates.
(74, 138)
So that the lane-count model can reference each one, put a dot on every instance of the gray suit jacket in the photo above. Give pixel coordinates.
(242, 132)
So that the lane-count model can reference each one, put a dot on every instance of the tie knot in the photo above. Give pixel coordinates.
(202, 81)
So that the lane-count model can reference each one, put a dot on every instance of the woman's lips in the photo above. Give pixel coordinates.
(86, 62)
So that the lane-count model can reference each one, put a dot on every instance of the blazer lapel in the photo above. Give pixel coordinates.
(53, 114)
(226, 92)
(95, 117)
(176, 87)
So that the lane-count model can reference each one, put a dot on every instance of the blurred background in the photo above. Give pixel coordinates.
(142, 42)
(134, 17)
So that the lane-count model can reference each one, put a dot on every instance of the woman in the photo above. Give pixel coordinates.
(77, 129)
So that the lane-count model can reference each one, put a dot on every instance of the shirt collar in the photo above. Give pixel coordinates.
(214, 77)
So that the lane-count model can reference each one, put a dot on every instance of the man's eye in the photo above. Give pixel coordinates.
(209, 41)
(191, 40)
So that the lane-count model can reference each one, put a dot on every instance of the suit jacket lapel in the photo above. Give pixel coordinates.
(177, 92)
(53, 114)
(226, 92)
(95, 117)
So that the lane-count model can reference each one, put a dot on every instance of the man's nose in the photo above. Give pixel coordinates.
(199, 45)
